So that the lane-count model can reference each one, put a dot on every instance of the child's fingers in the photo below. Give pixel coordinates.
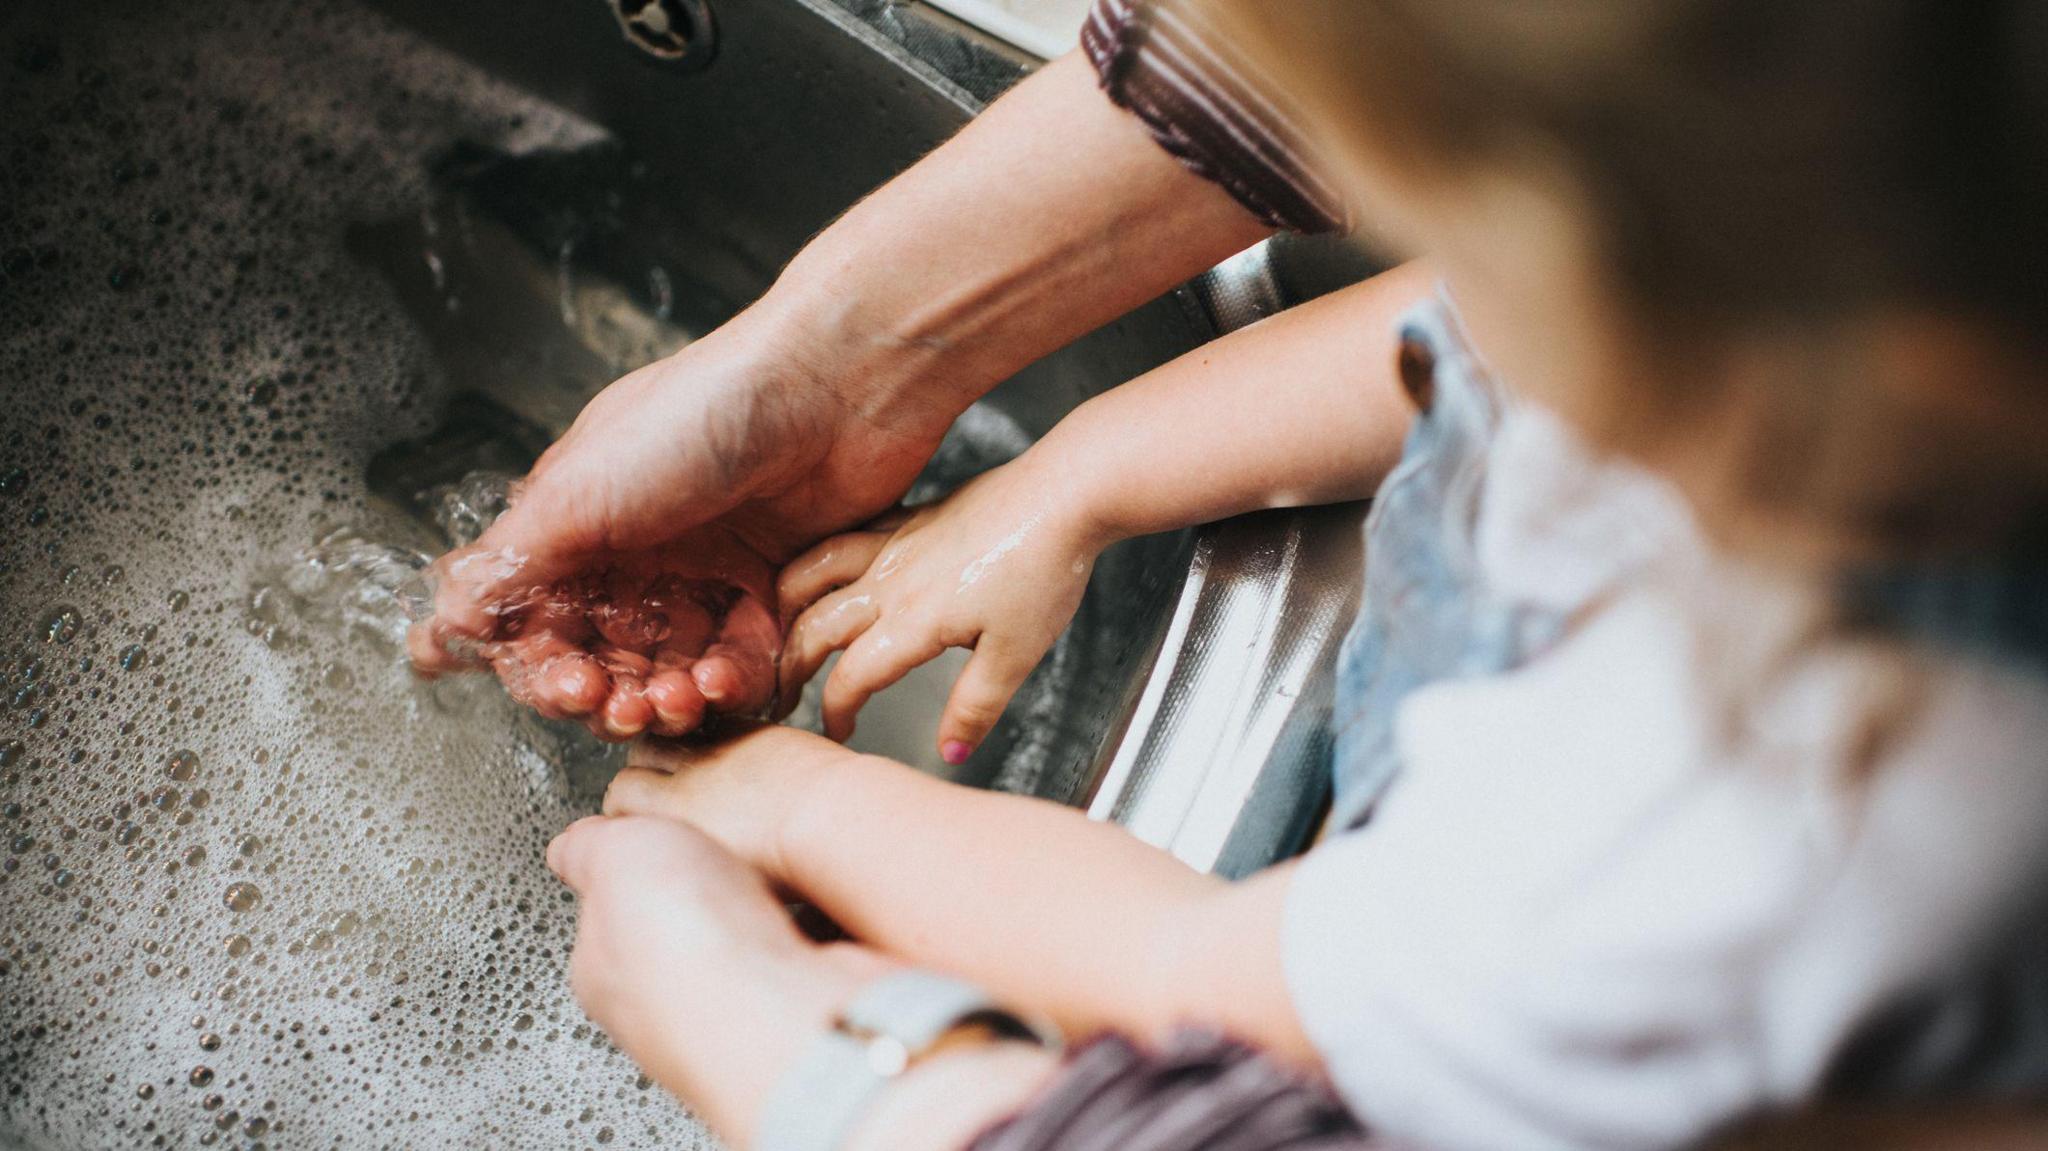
(874, 661)
(829, 566)
(978, 698)
(829, 625)
(643, 791)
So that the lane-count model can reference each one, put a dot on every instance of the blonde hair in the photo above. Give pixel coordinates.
(1846, 197)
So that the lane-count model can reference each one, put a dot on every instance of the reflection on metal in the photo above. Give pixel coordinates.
(1224, 759)
(679, 32)
(1242, 290)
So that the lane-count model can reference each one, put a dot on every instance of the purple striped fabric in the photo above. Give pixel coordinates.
(1198, 96)
(1198, 1093)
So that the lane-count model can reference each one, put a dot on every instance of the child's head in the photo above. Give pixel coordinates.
(1791, 253)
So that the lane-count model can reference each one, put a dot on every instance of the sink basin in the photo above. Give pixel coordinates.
(270, 272)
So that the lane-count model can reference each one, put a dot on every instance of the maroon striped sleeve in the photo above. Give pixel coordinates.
(1198, 1092)
(1195, 92)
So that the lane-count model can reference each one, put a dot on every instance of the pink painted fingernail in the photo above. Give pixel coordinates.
(955, 751)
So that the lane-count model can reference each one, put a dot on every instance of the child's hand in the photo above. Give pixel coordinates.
(998, 567)
(742, 792)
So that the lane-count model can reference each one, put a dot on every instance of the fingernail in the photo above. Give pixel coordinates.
(956, 751)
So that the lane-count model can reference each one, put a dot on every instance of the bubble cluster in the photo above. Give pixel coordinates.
(258, 885)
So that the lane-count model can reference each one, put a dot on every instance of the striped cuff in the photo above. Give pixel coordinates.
(1194, 92)
(1198, 1093)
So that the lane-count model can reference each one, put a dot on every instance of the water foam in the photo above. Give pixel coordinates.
(257, 884)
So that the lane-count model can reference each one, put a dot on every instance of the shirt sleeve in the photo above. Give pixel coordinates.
(1195, 93)
(1197, 1092)
(1598, 913)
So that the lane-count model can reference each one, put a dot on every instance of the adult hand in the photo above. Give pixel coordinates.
(705, 469)
(687, 961)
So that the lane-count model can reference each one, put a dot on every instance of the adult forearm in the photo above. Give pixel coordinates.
(1049, 215)
(1302, 408)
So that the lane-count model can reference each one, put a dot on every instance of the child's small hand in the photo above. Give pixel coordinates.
(998, 567)
(742, 792)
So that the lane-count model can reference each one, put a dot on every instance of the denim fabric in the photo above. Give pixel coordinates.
(1425, 614)
(1432, 611)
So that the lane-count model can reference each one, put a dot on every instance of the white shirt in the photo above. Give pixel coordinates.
(1658, 878)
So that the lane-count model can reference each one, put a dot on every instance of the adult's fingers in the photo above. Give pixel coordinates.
(826, 568)
(627, 711)
(429, 655)
(672, 693)
(547, 672)
(991, 677)
(737, 673)
(574, 855)
(874, 661)
(829, 625)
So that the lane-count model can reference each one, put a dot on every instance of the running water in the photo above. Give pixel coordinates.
(257, 883)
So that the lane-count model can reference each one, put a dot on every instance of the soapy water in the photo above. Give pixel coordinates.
(259, 885)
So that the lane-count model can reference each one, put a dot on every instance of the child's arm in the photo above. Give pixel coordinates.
(1048, 909)
(1302, 408)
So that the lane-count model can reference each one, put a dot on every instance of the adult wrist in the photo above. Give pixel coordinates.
(896, 1025)
(820, 313)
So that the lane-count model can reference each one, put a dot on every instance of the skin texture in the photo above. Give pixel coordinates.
(689, 963)
(980, 884)
(814, 409)
(1001, 565)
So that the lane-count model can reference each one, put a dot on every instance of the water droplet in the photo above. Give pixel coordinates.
(13, 481)
(146, 1091)
(200, 1076)
(523, 1023)
(249, 845)
(133, 656)
(179, 600)
(11, 752)
(194, 856)
(209, 1042)
(182, 766)
(241, 897)
(60, 625)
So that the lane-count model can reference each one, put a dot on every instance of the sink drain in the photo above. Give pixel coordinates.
(676, 32)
